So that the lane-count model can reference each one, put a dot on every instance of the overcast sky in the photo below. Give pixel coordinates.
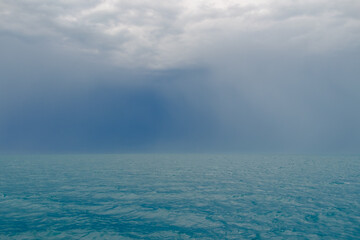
(191, 75)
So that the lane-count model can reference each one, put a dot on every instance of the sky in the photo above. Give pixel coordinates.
(180, 76)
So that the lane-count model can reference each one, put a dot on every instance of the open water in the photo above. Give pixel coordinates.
(179, 197)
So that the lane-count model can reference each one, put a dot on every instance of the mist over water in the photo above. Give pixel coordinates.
(184, 196)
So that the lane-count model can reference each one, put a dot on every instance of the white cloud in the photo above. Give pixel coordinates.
(162, 34)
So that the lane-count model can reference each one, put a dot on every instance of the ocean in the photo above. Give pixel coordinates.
(179, 196)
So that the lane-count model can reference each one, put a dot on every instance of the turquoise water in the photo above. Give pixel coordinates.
(179, 197)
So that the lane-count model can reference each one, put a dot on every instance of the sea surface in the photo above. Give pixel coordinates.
(181, 196)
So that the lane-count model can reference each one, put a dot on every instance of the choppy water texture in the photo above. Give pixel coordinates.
(179, 197)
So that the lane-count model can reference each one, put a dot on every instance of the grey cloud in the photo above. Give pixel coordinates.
(175, 34)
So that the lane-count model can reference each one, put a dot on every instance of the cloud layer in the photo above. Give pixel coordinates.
(158, 34)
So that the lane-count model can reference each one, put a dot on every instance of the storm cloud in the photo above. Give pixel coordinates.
(179, 76)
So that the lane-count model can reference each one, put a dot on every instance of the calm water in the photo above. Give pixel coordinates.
(179, 197)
